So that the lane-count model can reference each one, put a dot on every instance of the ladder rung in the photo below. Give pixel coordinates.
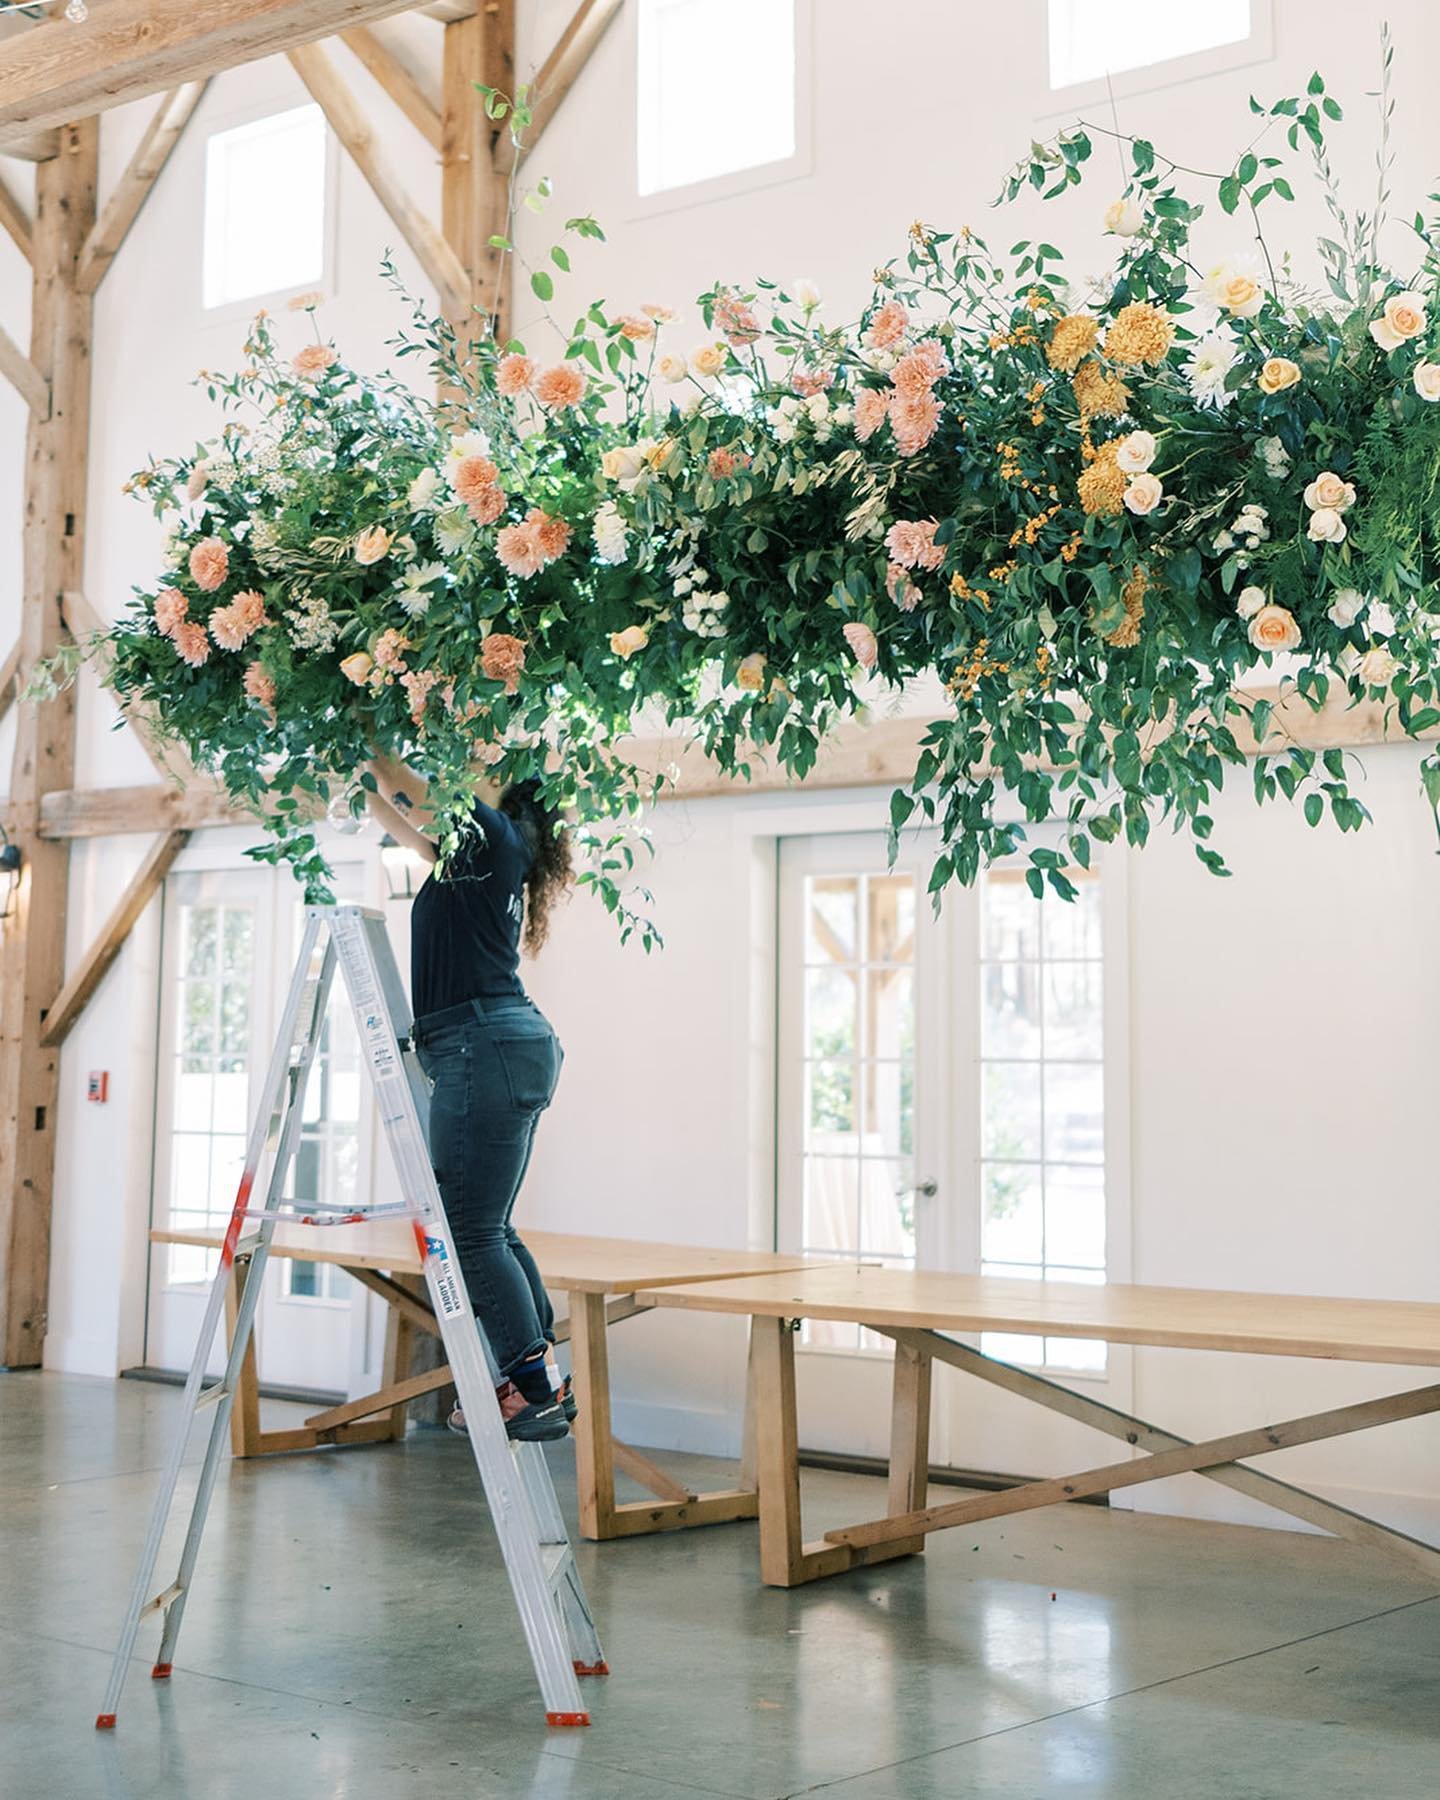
(163, 1599)
(557, 1560)
(208, 1396)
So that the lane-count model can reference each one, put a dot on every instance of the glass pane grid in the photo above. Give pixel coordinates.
(1042, 1152)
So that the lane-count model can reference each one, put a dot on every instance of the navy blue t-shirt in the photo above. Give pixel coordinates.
(465, 924)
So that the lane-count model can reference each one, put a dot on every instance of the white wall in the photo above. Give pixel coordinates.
(1277, 1032)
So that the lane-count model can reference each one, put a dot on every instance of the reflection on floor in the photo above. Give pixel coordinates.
(351, 1637)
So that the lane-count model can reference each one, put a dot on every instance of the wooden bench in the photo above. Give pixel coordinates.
(917, 1311)
(606, 1279)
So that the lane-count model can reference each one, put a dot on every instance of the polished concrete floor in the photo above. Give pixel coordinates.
(351, 1637)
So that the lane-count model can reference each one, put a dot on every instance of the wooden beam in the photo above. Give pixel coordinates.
(559, 72)
(347, 120)
(15, 220)
(23, 376)
(449, 12)
(474, 197)
(10, 679)
(1183, 1459)
(74, 997)
(387, 69)
(159, 806)
(131, 48)
(30, 145)
(134, 187)
(32, 952)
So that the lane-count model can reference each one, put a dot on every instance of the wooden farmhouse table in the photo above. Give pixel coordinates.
(606, 1279)
(918, 1310)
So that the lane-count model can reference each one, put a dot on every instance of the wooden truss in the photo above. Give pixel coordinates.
(52, 75)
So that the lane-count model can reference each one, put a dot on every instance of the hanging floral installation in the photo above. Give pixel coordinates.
(1091, 515)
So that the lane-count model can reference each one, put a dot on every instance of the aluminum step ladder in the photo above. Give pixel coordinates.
(554, 1611)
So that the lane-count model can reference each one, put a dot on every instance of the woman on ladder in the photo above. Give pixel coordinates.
(493, 1060)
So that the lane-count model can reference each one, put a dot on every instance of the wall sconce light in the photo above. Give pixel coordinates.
(405, 871)
(10, 860)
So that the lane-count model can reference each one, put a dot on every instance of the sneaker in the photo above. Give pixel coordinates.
(567, 1400)
(525, 1421)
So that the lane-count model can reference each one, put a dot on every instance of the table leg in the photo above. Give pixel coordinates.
(777, 1464)
(594, 1456)
(245, 1409)
(909, 1437)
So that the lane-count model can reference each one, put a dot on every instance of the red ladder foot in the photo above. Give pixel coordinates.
(567, 1718)
(161, 1671)
(596, 1668)
(105, 1721)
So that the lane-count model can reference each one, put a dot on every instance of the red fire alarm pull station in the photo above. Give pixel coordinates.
(99, 1088)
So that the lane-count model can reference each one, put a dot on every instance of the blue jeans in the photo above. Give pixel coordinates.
(494, 1065)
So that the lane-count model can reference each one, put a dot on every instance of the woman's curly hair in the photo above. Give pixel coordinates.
(551, 870)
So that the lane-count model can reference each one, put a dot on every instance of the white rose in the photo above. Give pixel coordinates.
(1249, 602)
(1348, 661)
(1377, 668)
(806, 293)
(1380, 621)
(1326, 526)
(1124, 217)
(1328, 490)
(1136, 452)
(1144, 494)
(818, 407)
(626, 462)
(1427, 380)
(1344, 608)
(671, 368)
(1403, 318)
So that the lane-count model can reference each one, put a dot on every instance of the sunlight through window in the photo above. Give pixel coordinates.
(1093, 38)
(265, 207)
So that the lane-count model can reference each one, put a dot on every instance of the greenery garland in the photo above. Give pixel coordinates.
(1091, 516)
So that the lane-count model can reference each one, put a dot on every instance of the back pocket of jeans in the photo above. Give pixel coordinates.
(532, 1068)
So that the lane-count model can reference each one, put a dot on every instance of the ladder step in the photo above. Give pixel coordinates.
(163, 1599)
(208, 1396)
(557, 1561)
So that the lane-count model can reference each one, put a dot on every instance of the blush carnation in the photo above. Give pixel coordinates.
(871, 408)
(191, 643)
(636, 326)
(562, 386)
(811, 381)
(911, 543)
(723, 462)
(260, 686)
(314, 360)
(736, 321)
(471, 475)
(861, 640)
(171, 607)
(502, 658)
(515, 374)
(901, 589)
(888, 326)
(551, 534)
(919, 370)
(913, 419)
(226, 629)
(209, 564)
(519, 550)
(486, 504)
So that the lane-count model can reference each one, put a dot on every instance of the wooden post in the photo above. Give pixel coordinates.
(474, 195)
(777, 1463)
(910, 1434)
(32, 954)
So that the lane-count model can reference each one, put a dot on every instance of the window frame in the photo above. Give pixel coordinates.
(735, 182)
(226, 314)
(1195, 65)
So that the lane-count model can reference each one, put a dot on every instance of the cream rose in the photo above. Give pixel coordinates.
(751, 673)
(1377, 667)
(1278, 374)
(372, 544)
(625, 643)
(1427, 380)
(624, 462)
(1403, 318)
(1144, 493)
(1326, 526)
(357, 668)
(671, 368)
(1250, 601)
(1328, 490)
(1124, 217)
(1380, 621)
(1134, 454)
(709, 359)
(1345, 608)
(1234, 289)
(1274, 628)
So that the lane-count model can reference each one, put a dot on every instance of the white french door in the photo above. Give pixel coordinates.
(950, 1095)
(230, 939)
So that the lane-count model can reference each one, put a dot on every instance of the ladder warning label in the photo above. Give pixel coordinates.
(445, 1288)
(378, 1046)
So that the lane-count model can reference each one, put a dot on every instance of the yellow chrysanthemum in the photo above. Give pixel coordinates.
(1102, 485)
(1141, 334)
(1071, 341)
(1097, 394)
(1127, 632)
